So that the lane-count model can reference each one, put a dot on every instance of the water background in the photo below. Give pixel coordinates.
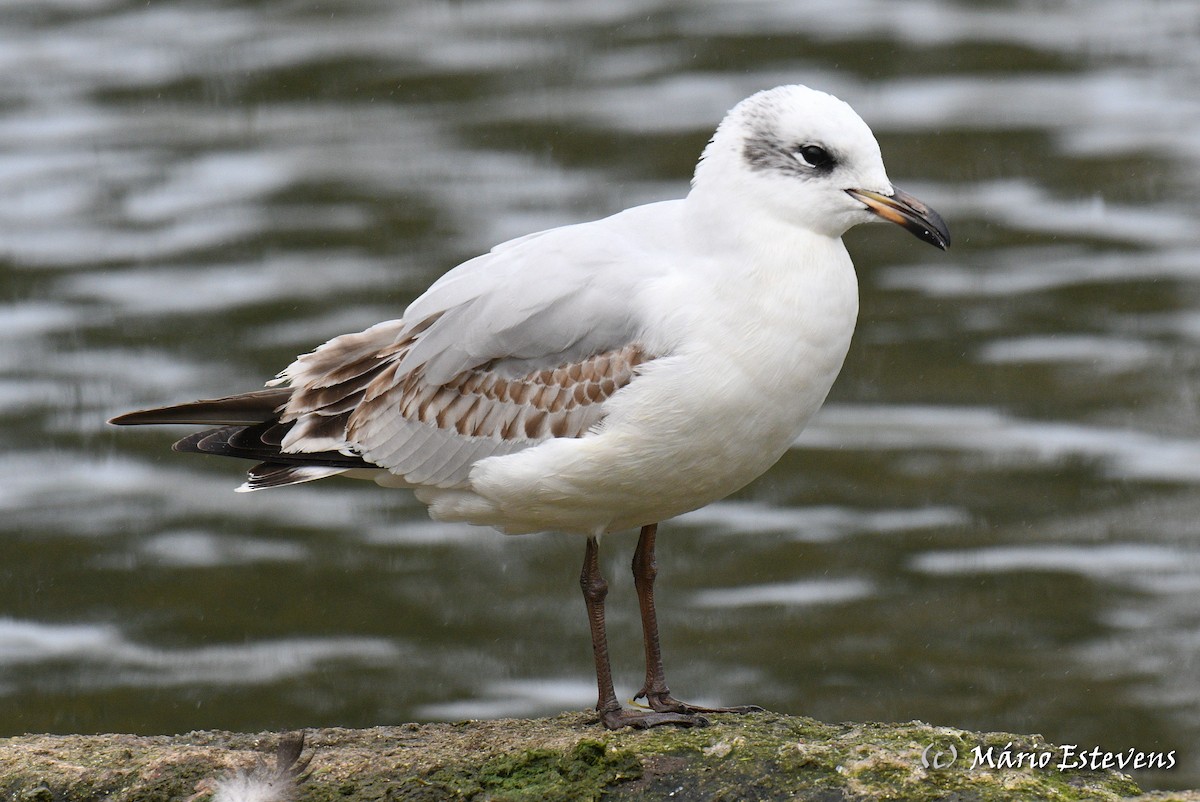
(993, 524)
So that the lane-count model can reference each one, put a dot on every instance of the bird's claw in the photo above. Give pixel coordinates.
(664, 702)
(645, 719)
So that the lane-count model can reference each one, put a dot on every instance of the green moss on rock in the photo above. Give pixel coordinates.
(568, 757)
(583, 772)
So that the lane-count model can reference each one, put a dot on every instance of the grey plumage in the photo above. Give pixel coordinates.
(469, 372)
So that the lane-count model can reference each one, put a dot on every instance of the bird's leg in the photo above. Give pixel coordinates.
(612, 715)
(655, 690)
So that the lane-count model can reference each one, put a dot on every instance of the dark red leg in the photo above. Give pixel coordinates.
(655, 691)
(612, 715)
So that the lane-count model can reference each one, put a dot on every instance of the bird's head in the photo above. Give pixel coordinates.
(806, 157)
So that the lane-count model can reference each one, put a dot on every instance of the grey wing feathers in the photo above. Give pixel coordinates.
(349, 407)
(492, 359)
(492, 307)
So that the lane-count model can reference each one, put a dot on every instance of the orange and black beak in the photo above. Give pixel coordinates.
(906, 211)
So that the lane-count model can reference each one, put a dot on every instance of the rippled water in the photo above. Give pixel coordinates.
(993, 524)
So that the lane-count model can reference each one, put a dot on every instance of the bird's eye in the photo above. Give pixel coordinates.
(814, 156)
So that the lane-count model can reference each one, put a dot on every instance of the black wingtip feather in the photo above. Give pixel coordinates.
(258, 436)
(244, 409)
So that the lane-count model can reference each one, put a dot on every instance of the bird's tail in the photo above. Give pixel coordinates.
(247, 427)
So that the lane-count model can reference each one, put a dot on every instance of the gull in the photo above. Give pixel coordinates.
(602, 376)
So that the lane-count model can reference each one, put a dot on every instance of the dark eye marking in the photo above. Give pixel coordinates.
(806, 160)
(816, 157)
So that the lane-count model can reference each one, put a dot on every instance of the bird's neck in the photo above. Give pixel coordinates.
(752, 242)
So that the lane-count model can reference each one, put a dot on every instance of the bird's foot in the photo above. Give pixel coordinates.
(620, 718)
(664, 702)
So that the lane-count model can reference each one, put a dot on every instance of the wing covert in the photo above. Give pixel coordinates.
(507, 350)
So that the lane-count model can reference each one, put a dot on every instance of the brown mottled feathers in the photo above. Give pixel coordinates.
(348, 407)
(482, 402)
(348, 394)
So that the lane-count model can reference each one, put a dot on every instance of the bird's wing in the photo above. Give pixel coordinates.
(507, 350)
(555, 295)
(245, 409)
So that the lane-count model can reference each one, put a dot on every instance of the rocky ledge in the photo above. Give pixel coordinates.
(758, 757)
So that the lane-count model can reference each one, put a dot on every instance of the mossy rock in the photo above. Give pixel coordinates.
(569, 758)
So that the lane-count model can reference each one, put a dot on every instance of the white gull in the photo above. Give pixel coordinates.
(605, 375)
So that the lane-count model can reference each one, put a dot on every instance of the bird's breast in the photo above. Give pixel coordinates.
(753, 367)
(775, 351)
(752, 363)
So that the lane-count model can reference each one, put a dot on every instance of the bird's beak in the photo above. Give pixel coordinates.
(906, 211)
